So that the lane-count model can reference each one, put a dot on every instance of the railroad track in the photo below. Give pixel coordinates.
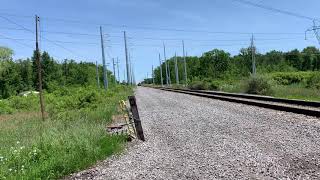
(311, 108)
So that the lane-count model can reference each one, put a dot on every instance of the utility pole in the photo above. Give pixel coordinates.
(161, 79)
(176, 68)
(253, 56)
(131, 73)
(185, 65)
(152, 76)
(126, 54)
(169, 76)
(39, 70)
(107, 64)
(124, 75)
(105, 79)
(114, 71)
(166, 64)
(130, 69)
(118, 70)
(97, 72)
(133, 76)
(315, 30)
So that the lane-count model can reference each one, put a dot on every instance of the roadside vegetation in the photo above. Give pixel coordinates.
(294, 74)
(73, 135)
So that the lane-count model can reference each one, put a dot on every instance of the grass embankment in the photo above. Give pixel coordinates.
(71, 138)
(290, 85)
(294, 91)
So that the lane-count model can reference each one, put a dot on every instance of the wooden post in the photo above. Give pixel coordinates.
(38, 56)
(136, 117)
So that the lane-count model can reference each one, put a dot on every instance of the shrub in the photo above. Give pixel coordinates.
(214, 85)
(259, 85)
(198, 85)
(5, 107)
(22, 103)
(74, 99)
(314, 81)
(287, 78)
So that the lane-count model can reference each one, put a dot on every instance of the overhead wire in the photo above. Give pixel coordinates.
(274, 9)
(58, 43)
(158, 28)
(17, 41)
(26, 29)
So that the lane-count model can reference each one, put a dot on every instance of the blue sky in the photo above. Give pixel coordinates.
(143, 19)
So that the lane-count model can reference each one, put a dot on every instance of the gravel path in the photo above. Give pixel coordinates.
(190, 137)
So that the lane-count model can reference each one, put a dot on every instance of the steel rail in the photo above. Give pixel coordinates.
(295, 106)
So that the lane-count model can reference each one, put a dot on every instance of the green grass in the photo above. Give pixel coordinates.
(71, 139)
(293, 91)
(297, 92)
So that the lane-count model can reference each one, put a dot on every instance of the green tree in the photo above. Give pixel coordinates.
(9, 77)
(5, 53)
(214, 63)
(24, 68)
(309, 58)
(294, 59)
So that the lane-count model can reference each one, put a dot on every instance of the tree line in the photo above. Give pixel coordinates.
(220, 65)
(20, 75)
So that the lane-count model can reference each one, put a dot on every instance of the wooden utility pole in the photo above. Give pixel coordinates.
(39, 70)
(253, 51)
(132, 74)
(134, 79)
(124, 75)
(105, 79)
(126, 54)
(114, 71)
(161, 79)
(152, 76)
(185, 65)
(166, 64)
(130, 69)
(176, 68)
(118, 70)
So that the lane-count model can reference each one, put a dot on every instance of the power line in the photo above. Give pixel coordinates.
(274, 9)
(170, 45)
(64, 42)
(151, 38)
(26, 29)
(17, 41)
(166, 39)
(70, 33)
(13, 22)
(11, 28)
(52, 32)
(215, 40)
(162, 28)
(14, 15)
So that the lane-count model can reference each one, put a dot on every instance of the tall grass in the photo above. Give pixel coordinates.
(297, 91)
(72, 138)
(303, 90)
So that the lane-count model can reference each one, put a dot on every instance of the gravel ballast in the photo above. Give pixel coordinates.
(189, 137)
